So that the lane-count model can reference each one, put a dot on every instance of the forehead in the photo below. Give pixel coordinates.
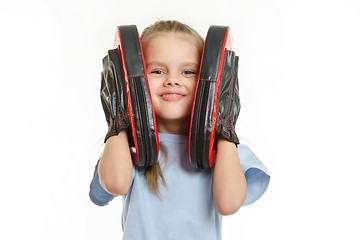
(171, 35)
(170, 46)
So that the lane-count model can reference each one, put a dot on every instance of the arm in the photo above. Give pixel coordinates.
(229, 183)
(115, 167)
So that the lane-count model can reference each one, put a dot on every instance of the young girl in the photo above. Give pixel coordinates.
(173, 200)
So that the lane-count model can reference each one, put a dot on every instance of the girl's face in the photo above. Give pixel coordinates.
(172, 64)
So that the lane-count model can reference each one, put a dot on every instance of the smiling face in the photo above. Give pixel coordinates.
(172, 63)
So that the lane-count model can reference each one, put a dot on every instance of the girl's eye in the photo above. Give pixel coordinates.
(186, 72)
(157, 72)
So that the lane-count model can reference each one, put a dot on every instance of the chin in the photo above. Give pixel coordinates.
(173, 117)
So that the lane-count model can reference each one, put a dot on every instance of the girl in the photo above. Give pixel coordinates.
(187, 203)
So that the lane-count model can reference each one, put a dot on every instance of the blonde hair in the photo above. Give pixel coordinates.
(162, 26)
(153, 172)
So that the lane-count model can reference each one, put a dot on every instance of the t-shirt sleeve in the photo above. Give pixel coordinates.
(256, 174)
(98, 194)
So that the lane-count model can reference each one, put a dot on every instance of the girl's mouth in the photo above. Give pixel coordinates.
(172, 97)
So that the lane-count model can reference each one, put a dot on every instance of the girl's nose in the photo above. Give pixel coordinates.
(172, 81)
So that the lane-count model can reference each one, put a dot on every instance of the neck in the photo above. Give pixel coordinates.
(178, 126)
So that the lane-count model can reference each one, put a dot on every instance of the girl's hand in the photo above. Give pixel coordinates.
(217, 103)
(125, 96)
(113, 95)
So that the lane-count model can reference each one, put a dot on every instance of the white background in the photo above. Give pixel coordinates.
(298, 73)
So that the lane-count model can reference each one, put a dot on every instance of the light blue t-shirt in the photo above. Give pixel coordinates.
(185, 209)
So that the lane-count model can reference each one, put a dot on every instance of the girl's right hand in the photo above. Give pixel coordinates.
(126, 99)
(113, 95)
